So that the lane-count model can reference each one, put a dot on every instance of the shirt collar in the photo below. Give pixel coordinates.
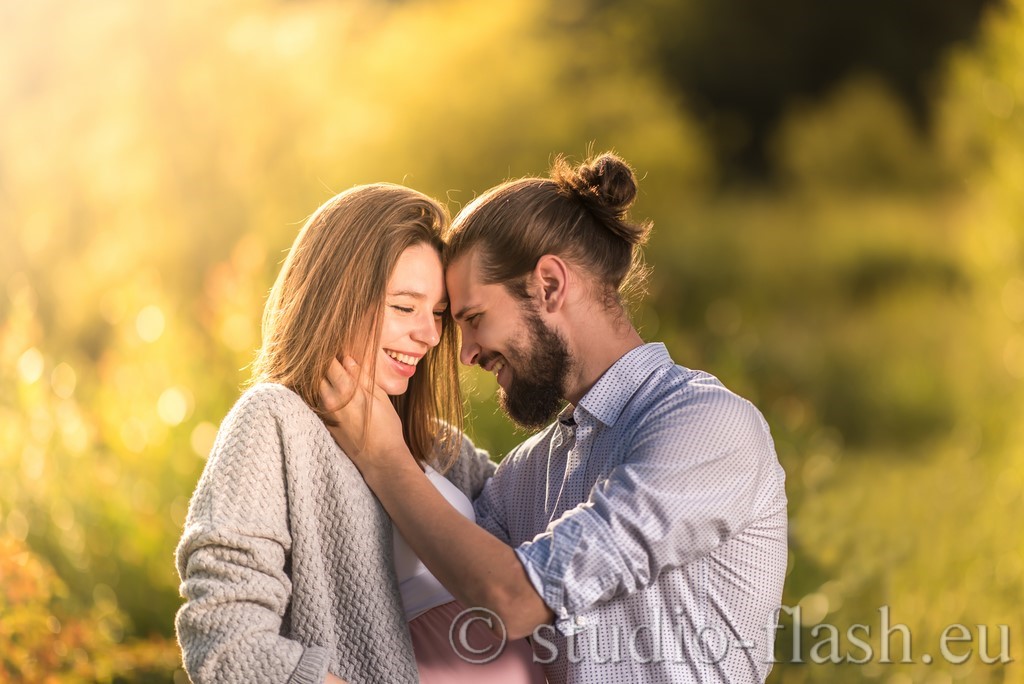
(566, 416)
(613, 390)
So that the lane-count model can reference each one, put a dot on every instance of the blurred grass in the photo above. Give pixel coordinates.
(156, 160)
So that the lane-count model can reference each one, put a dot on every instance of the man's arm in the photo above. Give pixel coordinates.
(478, 569)
(696, 474)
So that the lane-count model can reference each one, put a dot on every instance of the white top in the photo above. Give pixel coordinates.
(419, 588)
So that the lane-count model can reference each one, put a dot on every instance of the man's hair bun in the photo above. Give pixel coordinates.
(607, 186)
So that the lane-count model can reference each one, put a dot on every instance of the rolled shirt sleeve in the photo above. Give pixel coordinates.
(695, 473)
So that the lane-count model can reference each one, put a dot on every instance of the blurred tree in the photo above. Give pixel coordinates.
(44, 637)
(157, 159)
(738, 63)
(857, 137)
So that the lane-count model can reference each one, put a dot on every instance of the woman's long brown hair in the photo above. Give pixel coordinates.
(328, 301)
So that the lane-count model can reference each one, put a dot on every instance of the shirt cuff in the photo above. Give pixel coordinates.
(553, 593)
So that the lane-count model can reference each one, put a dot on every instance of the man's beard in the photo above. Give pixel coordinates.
(541, 369)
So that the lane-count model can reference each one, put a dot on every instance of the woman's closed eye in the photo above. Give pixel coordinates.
(409, 310)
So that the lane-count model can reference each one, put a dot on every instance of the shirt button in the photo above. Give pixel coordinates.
(580, 621)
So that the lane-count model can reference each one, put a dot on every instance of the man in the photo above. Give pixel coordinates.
(641, 536)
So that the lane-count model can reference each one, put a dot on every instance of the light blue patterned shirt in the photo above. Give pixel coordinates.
(651, 518)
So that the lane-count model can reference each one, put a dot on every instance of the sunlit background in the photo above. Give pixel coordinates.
(837, 191)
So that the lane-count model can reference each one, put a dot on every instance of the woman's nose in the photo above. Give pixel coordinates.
(428, 330)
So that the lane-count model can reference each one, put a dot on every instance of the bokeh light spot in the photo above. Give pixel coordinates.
(30, 365)
(62, 515)
(817, 468)
(1013, 356)
(63, 380)
(813, 609)
(104, 597)
(149, 324)
(17, 525)
(203, 437)
(1013, 299)
(33, 462)
(173, 406)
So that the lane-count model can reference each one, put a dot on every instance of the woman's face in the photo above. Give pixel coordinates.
(413, 305)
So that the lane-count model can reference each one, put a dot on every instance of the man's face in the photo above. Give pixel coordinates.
(507, 336)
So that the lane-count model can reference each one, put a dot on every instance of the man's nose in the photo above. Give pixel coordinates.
(470, 352)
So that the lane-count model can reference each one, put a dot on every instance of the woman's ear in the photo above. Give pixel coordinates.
(552, 276)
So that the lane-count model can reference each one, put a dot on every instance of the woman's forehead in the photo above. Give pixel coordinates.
(418, 273)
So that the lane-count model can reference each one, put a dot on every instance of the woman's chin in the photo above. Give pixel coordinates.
(394, 387)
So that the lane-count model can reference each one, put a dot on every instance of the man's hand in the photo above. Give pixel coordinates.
(475, 566)
(366, 425)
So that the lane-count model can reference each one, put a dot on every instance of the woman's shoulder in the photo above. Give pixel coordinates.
(268, 399)
(270, 394)
(264, 408)
(267, 423)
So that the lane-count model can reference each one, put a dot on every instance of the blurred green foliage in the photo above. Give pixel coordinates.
(739, 64)
(157, 159)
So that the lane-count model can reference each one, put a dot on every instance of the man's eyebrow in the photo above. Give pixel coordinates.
(463, 311)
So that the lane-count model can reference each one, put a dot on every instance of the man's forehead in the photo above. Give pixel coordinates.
(467, 290)
(463, 276)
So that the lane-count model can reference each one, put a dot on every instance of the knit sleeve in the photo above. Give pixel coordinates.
(233, 556)
(472, 470)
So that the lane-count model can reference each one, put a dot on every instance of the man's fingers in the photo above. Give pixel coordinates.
(329, 399)
(337, 375)
(356, 374)
(338, 388)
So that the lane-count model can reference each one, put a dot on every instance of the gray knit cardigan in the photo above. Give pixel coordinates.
(286, 559)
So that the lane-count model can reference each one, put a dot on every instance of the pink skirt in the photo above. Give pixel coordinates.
(456, 647)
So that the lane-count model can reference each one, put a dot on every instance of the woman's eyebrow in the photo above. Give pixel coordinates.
(416, 295)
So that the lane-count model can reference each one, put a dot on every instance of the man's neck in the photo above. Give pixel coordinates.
(595, 348)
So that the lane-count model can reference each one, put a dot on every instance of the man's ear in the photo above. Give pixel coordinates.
(552, 276)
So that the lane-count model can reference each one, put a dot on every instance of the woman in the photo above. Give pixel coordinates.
(287, 561)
